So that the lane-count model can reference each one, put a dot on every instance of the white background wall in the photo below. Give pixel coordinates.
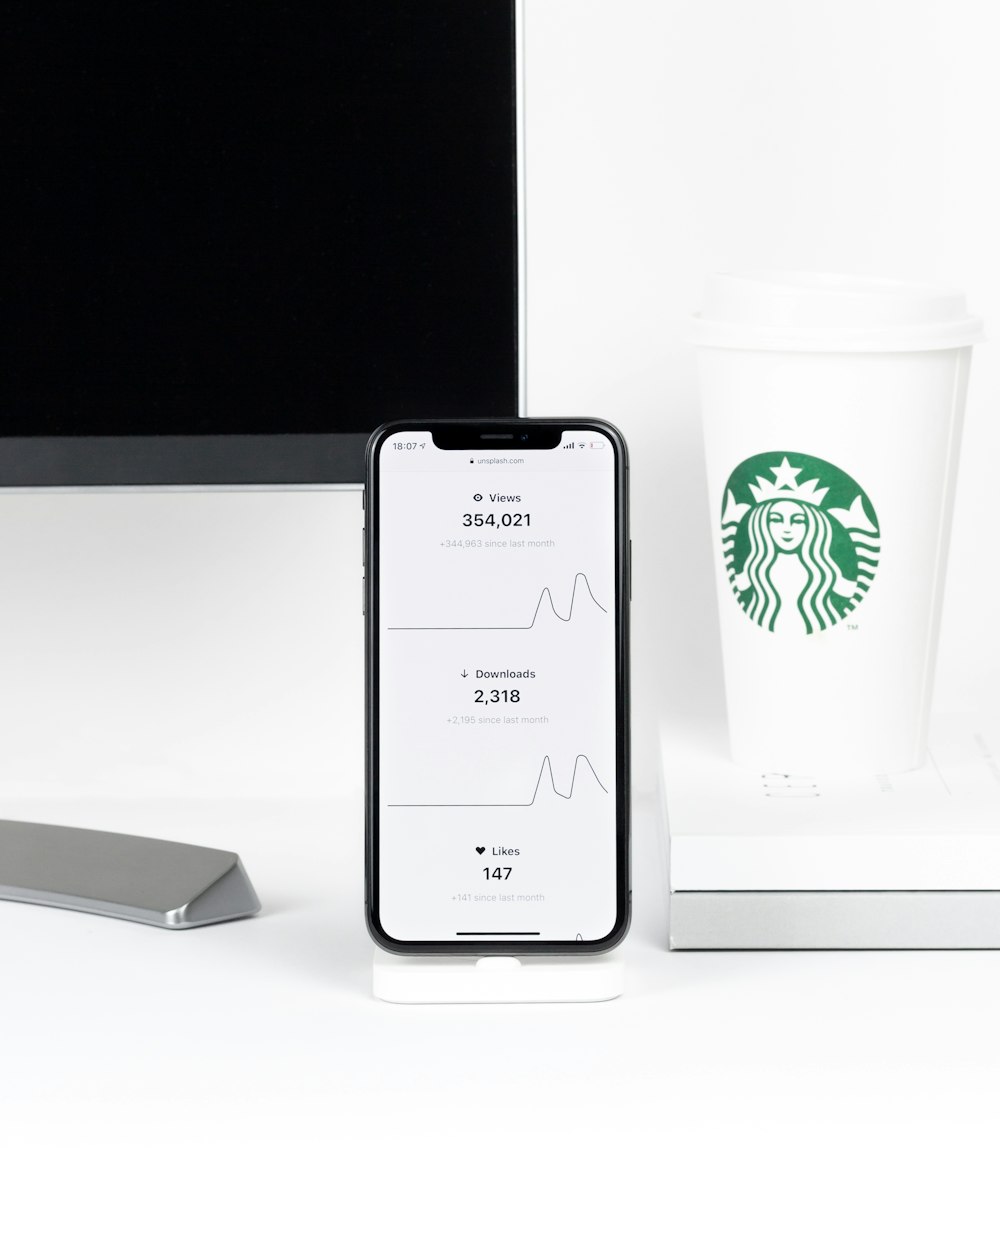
(180, 645)
(207, 648)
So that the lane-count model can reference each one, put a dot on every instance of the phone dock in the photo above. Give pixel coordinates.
(497, 978)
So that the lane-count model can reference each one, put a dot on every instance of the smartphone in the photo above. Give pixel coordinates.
(497, 586)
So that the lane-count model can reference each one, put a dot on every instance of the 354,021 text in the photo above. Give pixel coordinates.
(503, 520)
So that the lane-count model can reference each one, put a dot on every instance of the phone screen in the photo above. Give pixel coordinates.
(498, 700)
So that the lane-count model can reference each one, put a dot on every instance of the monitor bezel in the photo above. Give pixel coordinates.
(243, 461)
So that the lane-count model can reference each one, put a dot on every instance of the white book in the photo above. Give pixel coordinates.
(779, 861)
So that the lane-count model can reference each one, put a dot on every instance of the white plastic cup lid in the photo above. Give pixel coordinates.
(829, 312)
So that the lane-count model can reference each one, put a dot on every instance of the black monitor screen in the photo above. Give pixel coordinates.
(242, 222)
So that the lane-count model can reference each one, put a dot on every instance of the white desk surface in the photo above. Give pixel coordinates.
(238, 1085)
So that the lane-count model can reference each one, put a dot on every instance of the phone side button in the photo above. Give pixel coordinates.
(362, 595)
(630, 570)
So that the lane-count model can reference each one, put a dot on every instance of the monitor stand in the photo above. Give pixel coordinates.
(170, 884)
(497, 978)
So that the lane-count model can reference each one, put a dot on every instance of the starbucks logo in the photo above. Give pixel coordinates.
(801, 541)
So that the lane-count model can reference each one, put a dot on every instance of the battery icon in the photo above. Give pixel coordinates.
(597, 446)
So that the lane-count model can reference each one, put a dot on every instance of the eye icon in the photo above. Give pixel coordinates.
(477, 498)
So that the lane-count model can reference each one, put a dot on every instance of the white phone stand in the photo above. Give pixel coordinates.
(497, 978)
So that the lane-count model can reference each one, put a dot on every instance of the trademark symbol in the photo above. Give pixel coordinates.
(852, 627)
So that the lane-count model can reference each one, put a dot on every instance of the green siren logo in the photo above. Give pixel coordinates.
(800, 554)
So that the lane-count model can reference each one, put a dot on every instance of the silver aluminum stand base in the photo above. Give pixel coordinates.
(497, 978)
(170, 884)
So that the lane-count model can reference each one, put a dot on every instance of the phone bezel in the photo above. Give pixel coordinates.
(474, 431)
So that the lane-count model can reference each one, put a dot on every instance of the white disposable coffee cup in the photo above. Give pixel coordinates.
(832, 409)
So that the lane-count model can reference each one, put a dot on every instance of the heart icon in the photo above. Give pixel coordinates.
(480, 849)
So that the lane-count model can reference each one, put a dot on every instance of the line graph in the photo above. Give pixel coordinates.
(546, 764)
(546, 592)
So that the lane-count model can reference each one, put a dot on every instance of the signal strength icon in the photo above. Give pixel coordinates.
(568, 446)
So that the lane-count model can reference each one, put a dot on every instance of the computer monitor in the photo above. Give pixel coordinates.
(239, 237)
